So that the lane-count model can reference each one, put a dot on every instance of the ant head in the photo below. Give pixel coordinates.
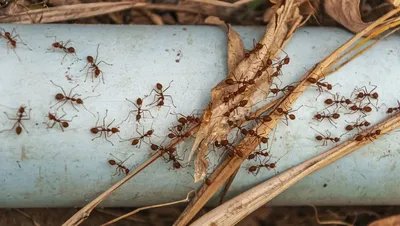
(244, 131)
(279, 110)
(347, 101)
(79, 101)
(126, 171)
(182, 120)
(359, 137)
(154, 147)
(55, 44)
(229, 81)
(259, 46)
(171, 136)
(227, 114)
(18, 130)
(286, 60)
(264, 140)
(59, 96)
(377, 132)
(349, 127)
(375, 95)
(319, 137)
(226, 99)
(217, 144)
(135, 141)
(389, 110)
(89, 59)
(276, 73)
(329, 87)
(246, 55)
(269, 62)
(71, 49)
(337, 139)
(224, 142)
(139, 101)
(328, 101)
(318, 116)
(177, 165)
(367, 109)
(114, 130)
(292, 117)
(251, 132)
(251, 156)
(354, 108)
(207, 181)
(360, 95)
(94, 130)
(336, 115)
(267, 118)
(149, 132)
(291, 88)
(159, 86)
(7, 34)
(243, 103)
(272, 165)
(112, 162)
(179, 128)
(21, 109)
(366, 123)
(275, 90)
(51, 116)
(65, 124)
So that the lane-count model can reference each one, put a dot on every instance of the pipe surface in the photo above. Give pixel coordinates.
(51, 168)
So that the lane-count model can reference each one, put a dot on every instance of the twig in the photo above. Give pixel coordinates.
(150, 207)
(28, 216)
(328, 222)
(116, 214)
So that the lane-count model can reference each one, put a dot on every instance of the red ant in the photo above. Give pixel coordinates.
(232, 150)
(62, 122)
(288, 88)
(287, 113)
(321, 116)
(21, 115)
(63, 47)
(256, 47)
(336, 101)
(190, 119)
(363, 93)
(105, 129)
(320, 85)
(159, 96)
(326, 138)
(176, 132)
(65, 98)
(173, 157)
(355, 108)
(393, 109)
(11, 40)
(232, 95)
(263, 119)
(261, 139)
(242, 103)
(94, 67)
(231, 81)
(120, 168)
(373, 134)
(138, 140)
(255, 154)
(357, 125)
(139, 112)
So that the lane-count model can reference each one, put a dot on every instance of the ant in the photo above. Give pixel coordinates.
(242, 103)
(120, 168)
(393, 109)
(336, 101)
(190, 119)
(229, 147)
(232, 95)
(363, 93)
(65, 98)
(63, 123)
(326, 138)
(321, 116)
(357, 125)
(231, 81)
(159, 96)
(373, 134)
(11, 40)
(255, 154)
(288, 88)
(256, 47)
(175, 161)
(139, 112)
(287, 113)
(63, 47)
(261, 139)
(105, 129)
(320, 85)
(263, 119)
(21, 115)
(354, 108)
(138, 140)
(94, 67)
(176, 132)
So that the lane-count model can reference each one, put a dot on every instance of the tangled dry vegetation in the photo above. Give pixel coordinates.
(374, 20)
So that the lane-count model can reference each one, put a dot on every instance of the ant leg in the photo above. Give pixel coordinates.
(49, 127)
(62, 128)
(104, 119)
(98, 117)
(171, 99)
(63, 58)
(102, 77)
(62, 109)
(148, 112)
(98, 84)
(104, 62)
(16, 54)
(84, 68)
(60, 88)
(110, 123)
(21, 41)
(72, 103)
(9, 117)
(22, 125)
(167, 86)
(15, 124)
(101, 133)
(155, 96)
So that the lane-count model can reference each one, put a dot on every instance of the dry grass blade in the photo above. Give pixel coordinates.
(242, 205)
(335, 222)
(28, 216)
(227, 168)
(72, 12)
(187, 199)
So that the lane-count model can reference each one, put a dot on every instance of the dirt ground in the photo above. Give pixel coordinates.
(272, 216)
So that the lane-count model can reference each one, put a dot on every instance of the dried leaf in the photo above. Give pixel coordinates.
(388, 221)
(395, 3)
(156, 19)
(347, 13)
